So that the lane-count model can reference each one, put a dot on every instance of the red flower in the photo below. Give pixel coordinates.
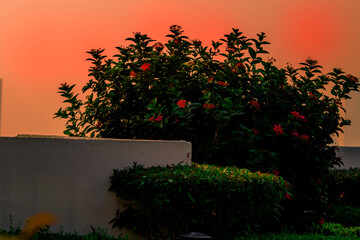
(223, 84)
(304, 137)
(311, 95)
(132, 74)
(352, 78)
(63, 84)
(338, 102)
(276, 172)
(182, 103)
(209, 106)
(159, 118)
(240, 65)
(234, 69)
(321, 221)
(278, 130)
(298, 116)
(255, 132)
(98, 125)
(158, 46)
(255, 104)
(303, 118)
(295, 114)
(145, 66)
(295, 134)
(287, 196)
(230, 49)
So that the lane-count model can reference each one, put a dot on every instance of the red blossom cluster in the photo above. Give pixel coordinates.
(145, 66)
(287, 196)
(298, 116)
(223, 84)
(303, 137)
(352, 78)
(230, 49)
(311, 95)
(98, 125)
(234, 69)
(296, 134)
(158, 46)
(240, 65)
(209, 106)
(338, 102)
(255, 105)
(132, 74)
(182, 103)
(278, 130)
(256, 132)
(158, 119)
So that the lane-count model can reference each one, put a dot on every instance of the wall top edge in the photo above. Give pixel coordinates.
(56, 137)
(358, 147)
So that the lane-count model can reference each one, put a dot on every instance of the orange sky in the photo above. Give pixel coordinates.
(43, 43)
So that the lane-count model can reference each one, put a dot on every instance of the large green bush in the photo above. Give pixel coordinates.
(236, 108)
(219, 201)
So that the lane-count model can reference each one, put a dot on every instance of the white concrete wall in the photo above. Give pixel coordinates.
(70, 176)
(350, 157)
(0, 102)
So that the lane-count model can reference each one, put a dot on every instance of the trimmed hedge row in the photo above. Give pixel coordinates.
(344, 197)
(340, 230)
(344, 187)
(345, 215)
(169, 201)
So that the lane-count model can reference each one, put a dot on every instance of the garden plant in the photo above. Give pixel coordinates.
(229, 100)
(221, 201)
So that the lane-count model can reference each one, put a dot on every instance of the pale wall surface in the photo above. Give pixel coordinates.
(70, 176)
(350, 157)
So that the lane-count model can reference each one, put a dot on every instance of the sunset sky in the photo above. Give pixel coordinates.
(43, 43)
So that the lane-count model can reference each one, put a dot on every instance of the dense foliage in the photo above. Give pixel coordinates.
(236, 108)
(46, 234)
(344, 187)
(344, 196)
(221, 201)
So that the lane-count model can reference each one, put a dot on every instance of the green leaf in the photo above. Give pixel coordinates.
(67, 132)
(191, 198)
(252, 53)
